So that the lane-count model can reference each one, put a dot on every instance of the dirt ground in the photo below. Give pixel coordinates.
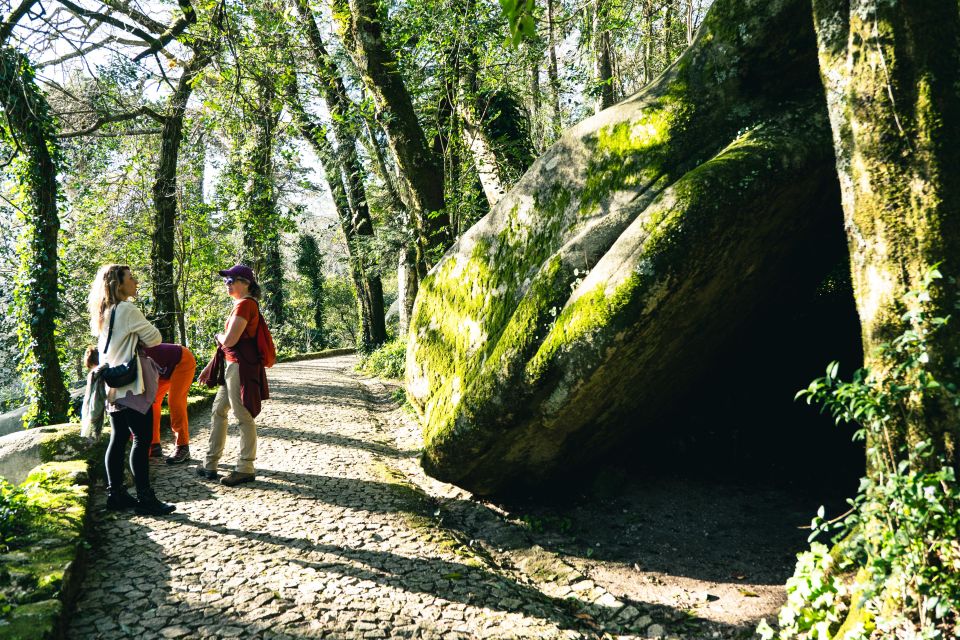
(712, 555)
(703, 554)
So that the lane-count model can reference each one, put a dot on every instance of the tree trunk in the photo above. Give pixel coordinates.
(31, 131)
(536, 102)
(345, 132)
(165, 200)
(891, 76)
(602, 60)
(667, 28)
(261, 233)
(690, 22)
(497, 133)
(553, 73)
(366, 283)
(406, 287)
(420, 167)
(647, 41)
(576, 313)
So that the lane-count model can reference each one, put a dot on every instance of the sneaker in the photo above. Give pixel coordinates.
(149, 505)
(156, 451)
(207, 474)
(235, 477)
(181, 455)
(120, 500)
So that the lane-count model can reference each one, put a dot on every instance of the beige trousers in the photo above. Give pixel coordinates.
(228, 397)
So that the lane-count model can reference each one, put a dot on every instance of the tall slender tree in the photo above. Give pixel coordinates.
(165, 197)
(362, 26)
(29, 132)
(346, 169)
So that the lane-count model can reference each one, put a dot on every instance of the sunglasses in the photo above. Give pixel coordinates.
(229, 281)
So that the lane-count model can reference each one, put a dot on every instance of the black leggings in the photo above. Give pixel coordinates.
(123, 423)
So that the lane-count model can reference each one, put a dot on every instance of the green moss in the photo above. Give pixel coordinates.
(627, 155)
(857, 616)
(59, 474)
(32, 621)
(64, 444)
(52, 488)
(34, 577)
(526, 327)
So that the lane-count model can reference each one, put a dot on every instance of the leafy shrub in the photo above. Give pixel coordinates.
(895, 569)
(388, 361)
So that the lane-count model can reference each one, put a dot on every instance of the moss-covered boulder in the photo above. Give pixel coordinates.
(575, 312)
(41, 563)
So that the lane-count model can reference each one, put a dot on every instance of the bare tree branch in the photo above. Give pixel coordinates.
(120, 24)
(7, 28)
(118, 117)
(123, 6)
(77, 53)
(127, 132)
(178, 27)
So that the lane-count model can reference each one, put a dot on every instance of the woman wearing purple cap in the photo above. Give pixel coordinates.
(236, 367)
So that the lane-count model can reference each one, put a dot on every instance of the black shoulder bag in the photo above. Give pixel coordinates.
(122, 374)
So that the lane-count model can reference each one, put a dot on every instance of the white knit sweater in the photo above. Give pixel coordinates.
(130, 328)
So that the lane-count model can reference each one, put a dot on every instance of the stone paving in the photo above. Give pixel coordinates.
(335, 539)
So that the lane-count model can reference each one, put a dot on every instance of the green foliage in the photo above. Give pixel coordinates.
(310, 266)
(388, 361)
(520, 16)
(902, 536)
(16, 514)
(341, 317)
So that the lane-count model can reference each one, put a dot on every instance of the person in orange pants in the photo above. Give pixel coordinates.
(177, 369)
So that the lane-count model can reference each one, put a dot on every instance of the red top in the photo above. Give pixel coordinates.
(249, 310)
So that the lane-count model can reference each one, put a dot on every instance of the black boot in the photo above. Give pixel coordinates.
(148, 505)
(119, 500)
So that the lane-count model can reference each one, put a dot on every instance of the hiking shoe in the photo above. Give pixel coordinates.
(234, 478)
(149, 505)
(207, 474)
(120, 500)
(181, 455)
(156, 451)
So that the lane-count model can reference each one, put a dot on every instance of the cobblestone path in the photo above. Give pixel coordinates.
(331, 541)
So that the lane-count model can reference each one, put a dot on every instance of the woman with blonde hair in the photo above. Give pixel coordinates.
(121, 329)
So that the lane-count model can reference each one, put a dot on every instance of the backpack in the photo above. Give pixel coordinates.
(268, 350)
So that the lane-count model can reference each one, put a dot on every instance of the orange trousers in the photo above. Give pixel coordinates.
(177, 387)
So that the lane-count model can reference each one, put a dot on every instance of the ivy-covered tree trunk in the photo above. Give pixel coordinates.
(30, 130)
(165, 200)
(316, 135)
(602, 58)
(362, 25)
(310, 266)
(345, 130)
(892, 76)
(262, 231)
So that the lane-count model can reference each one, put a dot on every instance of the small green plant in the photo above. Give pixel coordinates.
(388, 361)
(895, 568)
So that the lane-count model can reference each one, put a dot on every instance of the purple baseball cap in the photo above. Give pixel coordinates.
(239, 271)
